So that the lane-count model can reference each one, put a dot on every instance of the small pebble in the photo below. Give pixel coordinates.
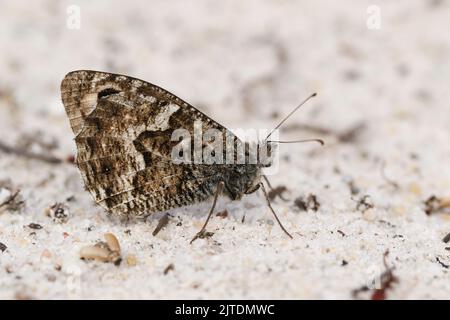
(46, 254)
(59, 212)
(131, 260)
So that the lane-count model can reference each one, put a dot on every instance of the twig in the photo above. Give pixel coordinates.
(21, 152)
(446, 266)
(10, 199)
(161, 224)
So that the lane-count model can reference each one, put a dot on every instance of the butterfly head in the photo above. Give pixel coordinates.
(246, 178)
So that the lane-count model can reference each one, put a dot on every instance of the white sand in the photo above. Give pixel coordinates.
(240, 61)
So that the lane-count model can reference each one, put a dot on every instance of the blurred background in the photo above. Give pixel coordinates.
(243, 63)
(381, 70)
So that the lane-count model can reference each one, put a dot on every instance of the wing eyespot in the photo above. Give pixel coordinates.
(106, 168)
(106, 92)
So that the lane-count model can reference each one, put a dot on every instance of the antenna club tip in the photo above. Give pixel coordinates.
(321, 142)
(314, 94)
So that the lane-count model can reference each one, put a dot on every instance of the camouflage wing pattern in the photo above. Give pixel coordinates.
(123, 128)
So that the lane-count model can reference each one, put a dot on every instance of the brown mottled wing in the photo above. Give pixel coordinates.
(123, 128)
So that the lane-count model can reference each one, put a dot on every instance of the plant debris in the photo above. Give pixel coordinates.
(25, 153)
(446, 266)
(300, 203)
(311, 203)
(387, 223)
(434, 204)
(446, 239)
(108, 251)
(10, 198)
(203, 235)
(3, 247)
(364, 203)
(35, 226)
(223, 214)
(385, 280)
(169, 268)
(59, 212)
(163, 221)
(277, 192)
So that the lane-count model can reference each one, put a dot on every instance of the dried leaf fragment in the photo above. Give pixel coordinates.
(434, 204)
(108, 251)
(113, 243)
(96, 252)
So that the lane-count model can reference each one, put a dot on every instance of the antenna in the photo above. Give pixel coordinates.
(290, 114)
(300, 141)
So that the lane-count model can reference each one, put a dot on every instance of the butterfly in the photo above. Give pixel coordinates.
(123, 131)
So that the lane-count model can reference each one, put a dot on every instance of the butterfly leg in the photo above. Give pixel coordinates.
(268, 182)
(273, 211)
(277, 192)
(219, 190)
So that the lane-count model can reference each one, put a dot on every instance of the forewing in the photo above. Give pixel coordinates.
(123, 128)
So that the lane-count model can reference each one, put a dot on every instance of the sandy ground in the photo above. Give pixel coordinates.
(244, 63)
